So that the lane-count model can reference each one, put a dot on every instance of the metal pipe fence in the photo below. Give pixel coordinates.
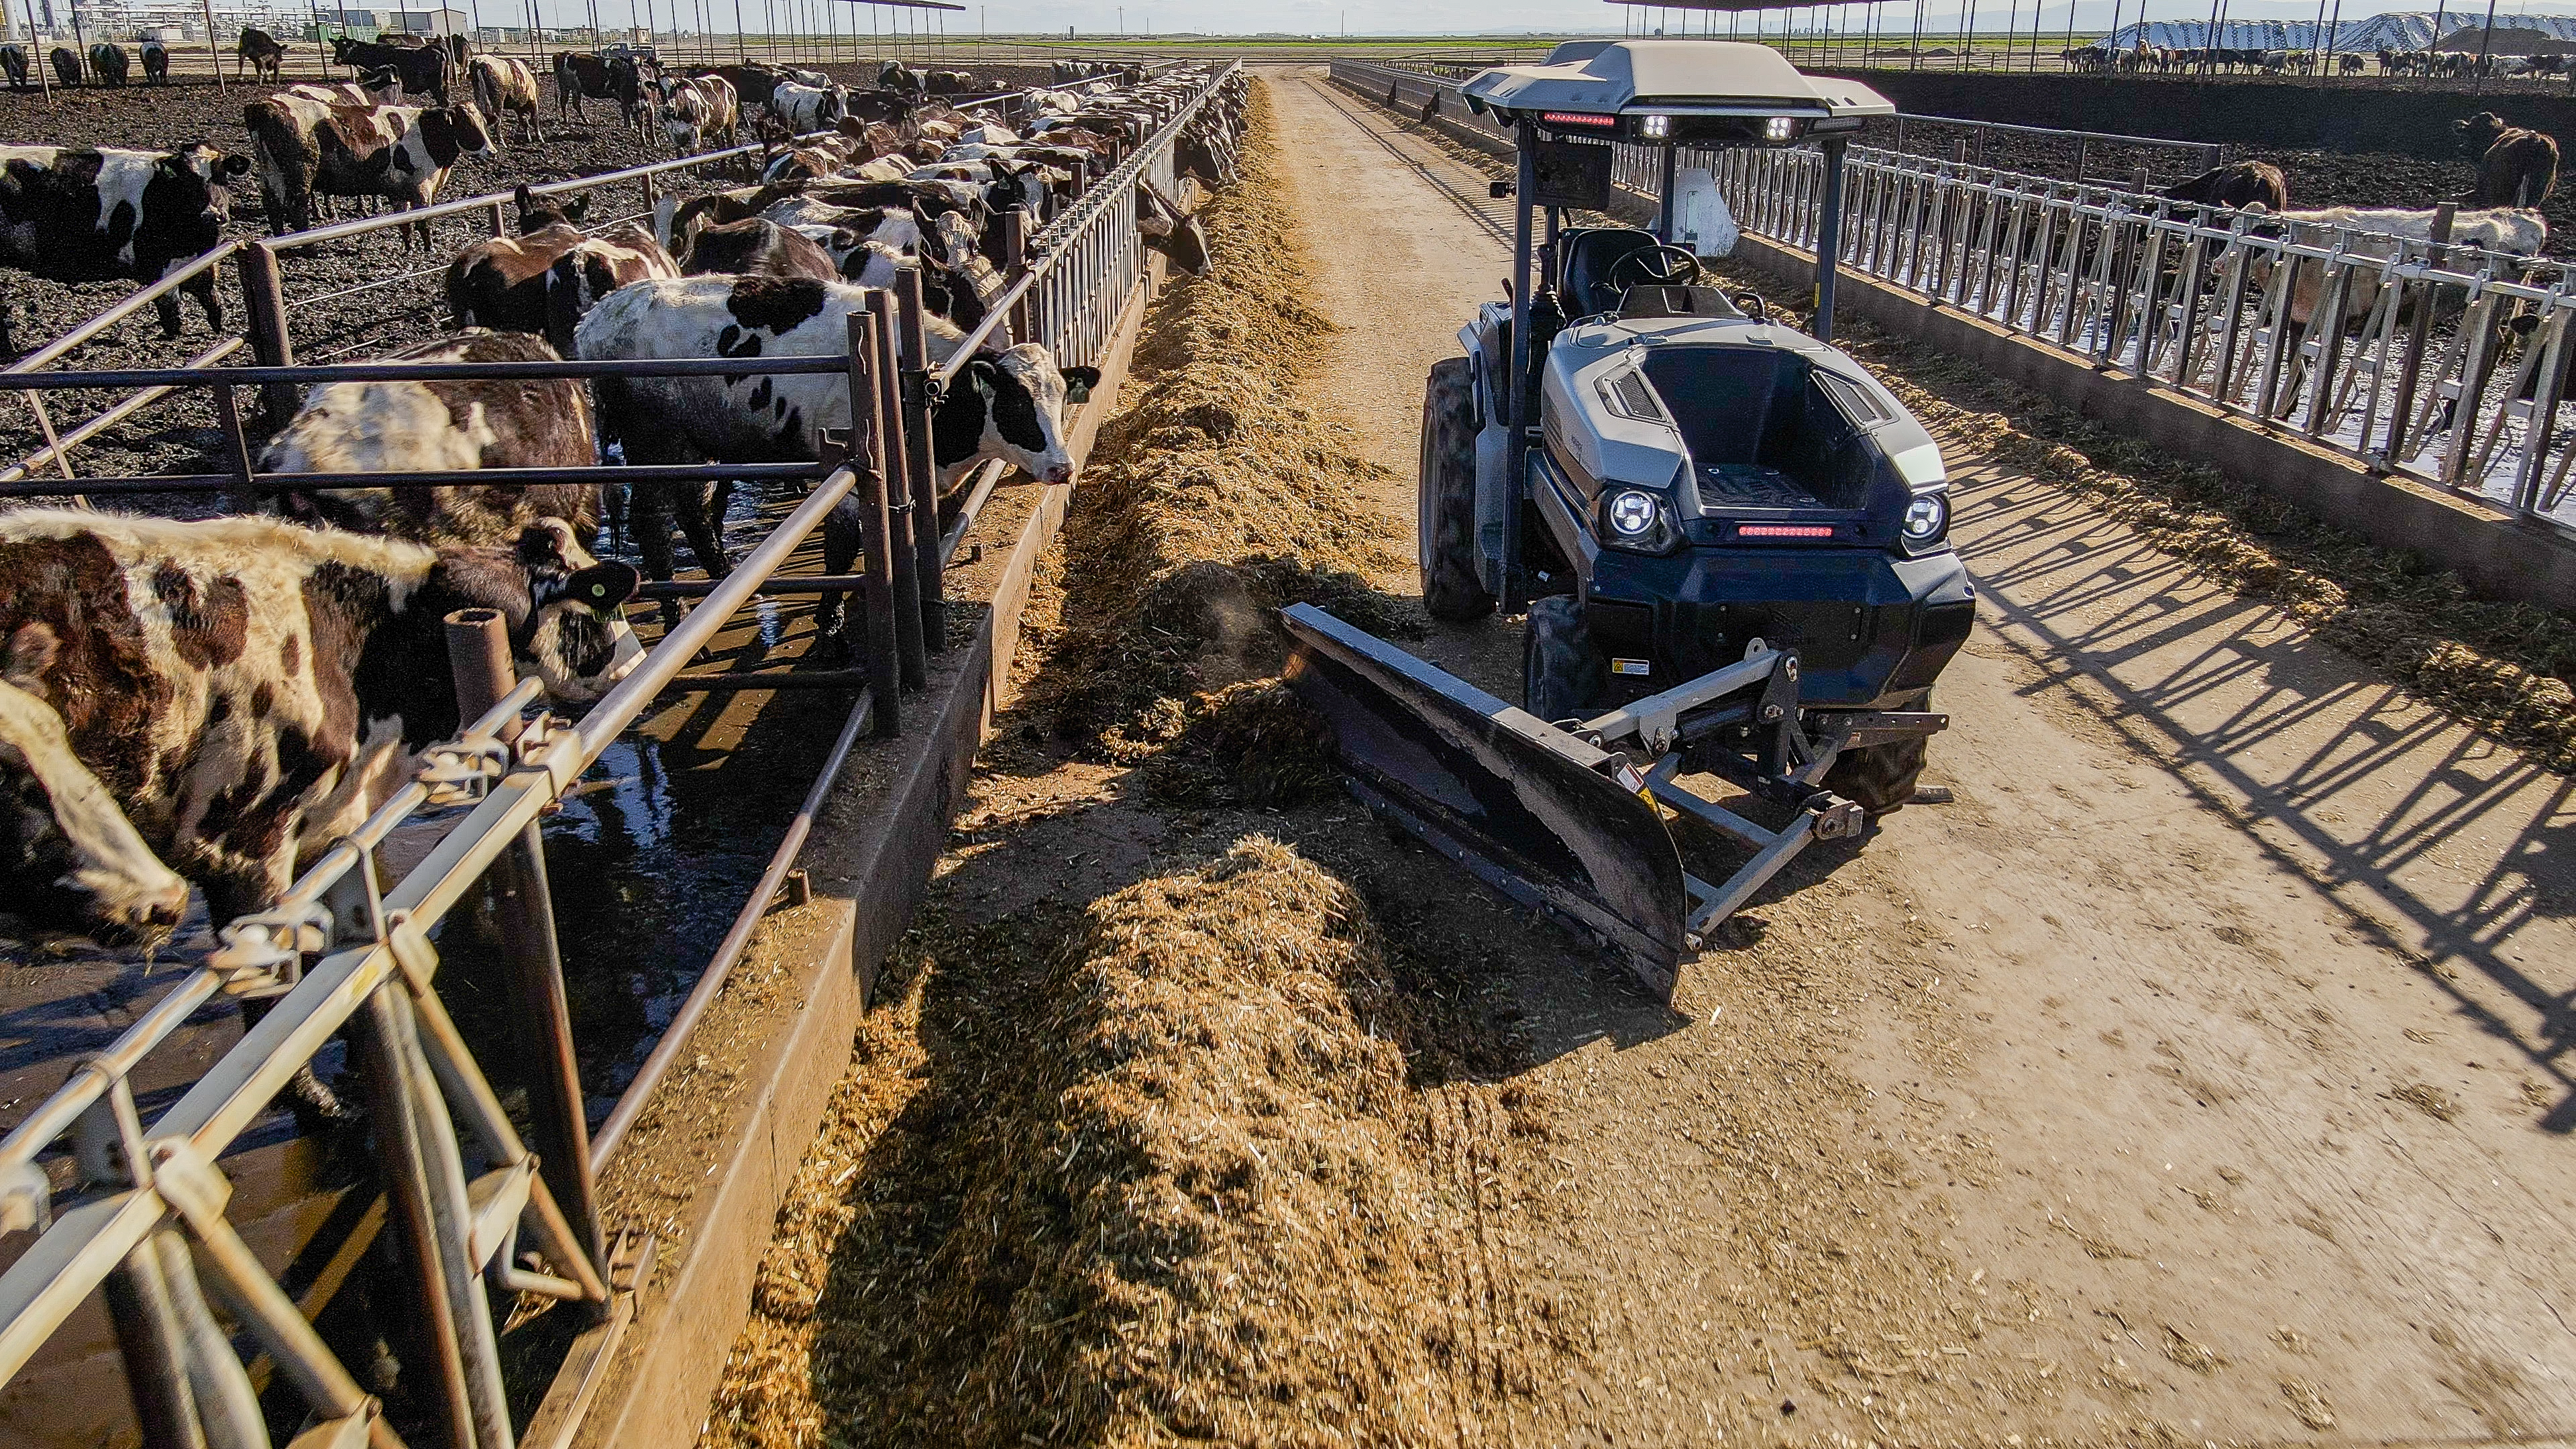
(137, 1210)
(2444, 363)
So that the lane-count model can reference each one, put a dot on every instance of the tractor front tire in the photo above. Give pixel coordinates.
(1561, 673)
(1881, 778)
(1445, 498)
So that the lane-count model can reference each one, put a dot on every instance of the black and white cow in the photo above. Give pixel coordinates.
(425, 69)
(804, 108)
(380, 427)
(242, 691)
(96, 213)
(1005, 405)
(401, 153)
(110, 63)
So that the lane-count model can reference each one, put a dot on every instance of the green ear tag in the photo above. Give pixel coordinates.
(1075, 392)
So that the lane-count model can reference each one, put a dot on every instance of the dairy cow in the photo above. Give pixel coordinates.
(156, 63)
(67, 65)
(504, 88)
(697, 109)
(380, 427)
(804, 108)
(2515, 167)
(425, 69)
(2236, 184)
(544, 279)
(304, 149)
(109, 62)
(757, 247)
(241, 692)
(95, 213)
(1006, 405)
(258, 51)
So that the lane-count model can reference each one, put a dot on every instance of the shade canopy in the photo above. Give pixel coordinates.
(1617, 75)
(1736, 6)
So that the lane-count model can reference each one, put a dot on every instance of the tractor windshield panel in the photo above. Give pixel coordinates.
(1766, 429)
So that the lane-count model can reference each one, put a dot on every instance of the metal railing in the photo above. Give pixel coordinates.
(139, 1211)
(2445, 363)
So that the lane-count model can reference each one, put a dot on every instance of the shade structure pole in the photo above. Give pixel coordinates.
(1829, 239)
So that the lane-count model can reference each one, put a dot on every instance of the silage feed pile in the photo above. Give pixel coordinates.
(1150, 1167)
(1213, 498)
(1161, 1185)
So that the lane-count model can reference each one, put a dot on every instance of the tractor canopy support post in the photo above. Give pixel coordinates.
(1829, 240)
(1664, 196)
(1525, 148)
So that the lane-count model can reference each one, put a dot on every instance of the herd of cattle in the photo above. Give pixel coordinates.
(2144, 59)
(206, 703)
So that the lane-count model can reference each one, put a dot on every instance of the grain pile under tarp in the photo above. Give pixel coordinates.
(1214, 497)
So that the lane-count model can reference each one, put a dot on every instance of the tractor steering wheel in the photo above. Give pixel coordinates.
(1656, 266)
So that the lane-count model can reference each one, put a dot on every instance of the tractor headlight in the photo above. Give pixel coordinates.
(1632, 514)
(1638, 520)
(1926, 519)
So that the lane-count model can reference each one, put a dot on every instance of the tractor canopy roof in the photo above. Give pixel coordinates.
(1705, 77)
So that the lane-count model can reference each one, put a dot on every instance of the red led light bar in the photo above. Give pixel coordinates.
(1576, 118)
(1784, 530)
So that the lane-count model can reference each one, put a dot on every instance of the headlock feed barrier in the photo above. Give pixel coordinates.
(136, 1210)
(2445, 363)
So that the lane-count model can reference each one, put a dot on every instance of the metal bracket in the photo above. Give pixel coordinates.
(461, 772)
(263, 954)
(26, 1199)
(1655, 721)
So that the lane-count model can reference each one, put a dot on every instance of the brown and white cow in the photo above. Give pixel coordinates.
(1005, 405)
(544, 280)
(401, 153)
(94, 213)
(243, 691)
(503, 88)
(379, 427)
(757, 247)
(697, 109)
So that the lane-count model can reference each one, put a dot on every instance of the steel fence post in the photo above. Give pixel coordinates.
(887, 404)
(478, 656)
(876, 526)
(264, 313)
(227, 1407)
(2410, 373)
(396, 1124)
(921, 472)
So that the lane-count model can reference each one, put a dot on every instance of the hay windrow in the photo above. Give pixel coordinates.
(1148, 1172)
(1213, 498)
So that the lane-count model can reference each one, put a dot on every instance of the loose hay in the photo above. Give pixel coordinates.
(1158, 1183)
(1213, 499)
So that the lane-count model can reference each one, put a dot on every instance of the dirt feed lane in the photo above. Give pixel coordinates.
(2203, 1068)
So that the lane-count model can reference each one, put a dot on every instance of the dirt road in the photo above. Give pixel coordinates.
(2204, 1067)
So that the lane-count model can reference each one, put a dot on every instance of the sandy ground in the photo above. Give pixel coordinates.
(2203, 1069)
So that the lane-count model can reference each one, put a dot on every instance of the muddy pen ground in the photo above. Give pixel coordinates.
(2197, 1076)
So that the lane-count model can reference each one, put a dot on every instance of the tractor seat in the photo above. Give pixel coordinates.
(1589, 253)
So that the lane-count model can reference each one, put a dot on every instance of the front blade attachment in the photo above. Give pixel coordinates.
(1525, 806)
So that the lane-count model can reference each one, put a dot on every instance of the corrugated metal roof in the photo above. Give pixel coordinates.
(2403, 30)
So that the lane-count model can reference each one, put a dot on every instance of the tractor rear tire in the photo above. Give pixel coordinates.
(1881, 778)
(1445, 498)
(1561, 673)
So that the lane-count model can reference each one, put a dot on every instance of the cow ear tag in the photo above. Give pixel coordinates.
(1077, 391)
